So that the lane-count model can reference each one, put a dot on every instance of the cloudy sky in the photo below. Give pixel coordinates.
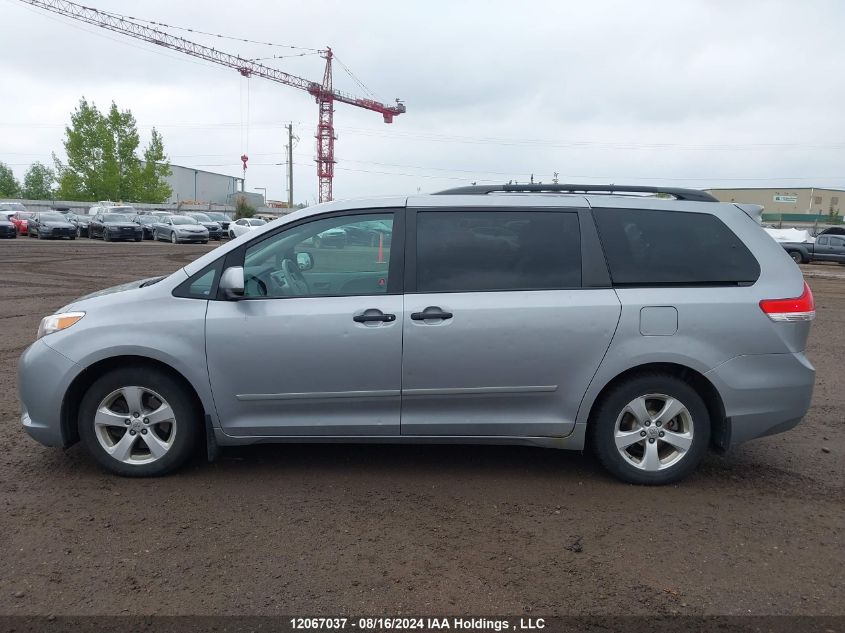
(691, 93)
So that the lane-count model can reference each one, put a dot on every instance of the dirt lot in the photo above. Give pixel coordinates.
(322, 530)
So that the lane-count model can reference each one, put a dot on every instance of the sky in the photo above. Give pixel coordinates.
(695, 93)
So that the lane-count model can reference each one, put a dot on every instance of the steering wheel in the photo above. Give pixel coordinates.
(291, 279)
(255, 287)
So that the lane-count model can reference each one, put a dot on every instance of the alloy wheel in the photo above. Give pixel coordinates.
(135, 425)
(654, 431)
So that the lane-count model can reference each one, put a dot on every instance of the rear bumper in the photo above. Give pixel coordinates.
(764, 394)
(43, 379)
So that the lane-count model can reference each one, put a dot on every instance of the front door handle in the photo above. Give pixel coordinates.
(374, 316)
(431, 312)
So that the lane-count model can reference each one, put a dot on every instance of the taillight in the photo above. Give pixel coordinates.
(801, 308)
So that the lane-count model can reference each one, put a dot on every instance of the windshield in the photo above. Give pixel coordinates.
(115, 217)
(13, 206)
(124, 210)
(257, 222)
(200, 217)
(219, 217)
(183, 219)
(52, 217)
(147, 219)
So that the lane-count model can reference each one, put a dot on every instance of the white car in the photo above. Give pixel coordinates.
(244, 225)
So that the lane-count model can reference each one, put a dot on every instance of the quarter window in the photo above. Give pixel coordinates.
(647, 247)
(468, 251)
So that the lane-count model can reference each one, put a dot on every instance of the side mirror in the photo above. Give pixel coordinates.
(232, 283)
(305, 261)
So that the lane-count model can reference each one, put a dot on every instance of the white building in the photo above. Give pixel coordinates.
(190, 184)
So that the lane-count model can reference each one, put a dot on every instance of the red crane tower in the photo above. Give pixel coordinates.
(323, 93)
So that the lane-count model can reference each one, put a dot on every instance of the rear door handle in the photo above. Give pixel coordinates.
(431, 312)
(369, 318)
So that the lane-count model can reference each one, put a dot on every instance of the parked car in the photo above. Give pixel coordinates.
(180, 228)
(81, 223)
(21, 221)
(11, 208)
(111, 207)
(114, 226)
(215, 231)
(827, 248)
(51, 224)
(244, 225)
(333, 237)
(146, 222)
(223, 219)
(563, 320)
(7, 228)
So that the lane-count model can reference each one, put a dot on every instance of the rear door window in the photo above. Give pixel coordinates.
(650, 247)
(469, 251)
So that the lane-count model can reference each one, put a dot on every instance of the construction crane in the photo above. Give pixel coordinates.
(323, 92)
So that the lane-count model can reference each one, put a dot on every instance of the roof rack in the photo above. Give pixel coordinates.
(679, 194)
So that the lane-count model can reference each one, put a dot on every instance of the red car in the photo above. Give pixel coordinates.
(21, 221)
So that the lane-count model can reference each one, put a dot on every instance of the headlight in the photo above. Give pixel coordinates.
(57, 322)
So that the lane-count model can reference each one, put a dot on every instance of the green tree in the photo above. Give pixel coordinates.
(38, 182)
(102, 160)
(152, 186)
(9, 187)
(243, 209)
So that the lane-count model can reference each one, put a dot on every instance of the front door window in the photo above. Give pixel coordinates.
(332, 257)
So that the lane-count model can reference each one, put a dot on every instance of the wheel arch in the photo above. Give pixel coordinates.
(719, 423)
(80, 384)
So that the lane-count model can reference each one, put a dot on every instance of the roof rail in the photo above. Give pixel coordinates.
(677, 193)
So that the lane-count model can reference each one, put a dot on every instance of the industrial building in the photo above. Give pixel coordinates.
(787, 201)
(190, 184)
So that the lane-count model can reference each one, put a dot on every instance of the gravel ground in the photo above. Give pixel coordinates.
(324, 530)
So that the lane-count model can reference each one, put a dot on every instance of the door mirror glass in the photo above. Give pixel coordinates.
(305, 261)
(232, 282)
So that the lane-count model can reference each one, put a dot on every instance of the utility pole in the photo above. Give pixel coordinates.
(290, 166)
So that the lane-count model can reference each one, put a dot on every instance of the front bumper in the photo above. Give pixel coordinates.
(44, 376)
(764, 394)
(192, 237)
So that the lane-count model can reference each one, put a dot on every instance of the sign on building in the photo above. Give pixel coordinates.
(787, 199)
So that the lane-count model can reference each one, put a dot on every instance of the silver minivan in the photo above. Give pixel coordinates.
(648, 327)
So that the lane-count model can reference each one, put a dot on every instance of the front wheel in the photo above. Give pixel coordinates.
(173, 239)
(106, 236)
(651, 429)
(138, 422)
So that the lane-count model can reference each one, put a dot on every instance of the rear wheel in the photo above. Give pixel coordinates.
(651, 429)
(138, 422)
(797, 257)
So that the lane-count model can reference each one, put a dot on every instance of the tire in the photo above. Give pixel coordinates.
(204, 242)
(106, 236)
(72, 237)
(138, 239)
(231, 235)
(180, 436)
(39, 235)
(690, 427)
(797, 257)
(173, 239)
(90, 235)
(78, 232)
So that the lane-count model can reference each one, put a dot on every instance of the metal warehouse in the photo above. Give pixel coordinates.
(189, 183)
(805, 200)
